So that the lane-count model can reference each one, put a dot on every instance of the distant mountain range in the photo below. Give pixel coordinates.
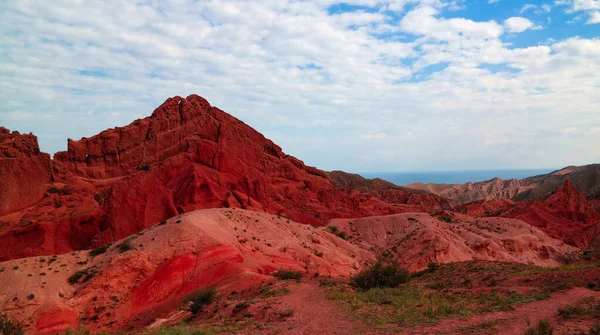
(585, 178)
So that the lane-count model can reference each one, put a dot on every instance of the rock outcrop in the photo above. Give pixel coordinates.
(24, 171)
(187, 155)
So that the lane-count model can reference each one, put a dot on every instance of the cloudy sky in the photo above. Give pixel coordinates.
(359, 85)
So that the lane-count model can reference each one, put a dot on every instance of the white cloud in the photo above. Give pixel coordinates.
(594, 18)
(518, 24)
(321, 78)
(586, 5)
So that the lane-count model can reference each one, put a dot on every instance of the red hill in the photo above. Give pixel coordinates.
(187, 155)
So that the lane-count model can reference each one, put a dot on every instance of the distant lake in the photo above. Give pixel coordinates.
(452, 177)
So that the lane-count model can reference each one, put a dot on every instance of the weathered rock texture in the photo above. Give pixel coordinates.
(229, 249)
(24, 171)
(186, 156)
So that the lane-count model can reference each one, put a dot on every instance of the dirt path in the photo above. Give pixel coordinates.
(515, 321)
(314, 314)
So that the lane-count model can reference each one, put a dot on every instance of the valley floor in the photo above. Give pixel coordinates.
(462, 298)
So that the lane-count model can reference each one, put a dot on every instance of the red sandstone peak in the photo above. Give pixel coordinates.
(187, 155)
(567, 197)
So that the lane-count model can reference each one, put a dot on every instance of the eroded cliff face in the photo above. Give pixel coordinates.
(24, 171)
(186, 156)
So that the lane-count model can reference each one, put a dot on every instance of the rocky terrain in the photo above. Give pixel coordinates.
(116, 233)
(187, 155)
(585, 178)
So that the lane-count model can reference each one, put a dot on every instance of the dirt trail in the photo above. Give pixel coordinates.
(314, 314)
(515, 321)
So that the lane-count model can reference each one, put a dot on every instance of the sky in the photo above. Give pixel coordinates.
(357, 85)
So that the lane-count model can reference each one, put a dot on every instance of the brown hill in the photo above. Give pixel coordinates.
(585, 178)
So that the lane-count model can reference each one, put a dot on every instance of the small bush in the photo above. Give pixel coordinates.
(7, 327)
(571, 310)
(543, 328)
(144, 167)
(335, 231)
(240, 307)
(287, 275)
(286, 313)
(99, 251)
(77, 276)
(570, 257)
(124, 246)
(379, 274)
(200, 298)
(446, 218)
(54, 190)
(431, 267)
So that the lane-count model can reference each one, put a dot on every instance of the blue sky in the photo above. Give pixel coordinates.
(358, 85)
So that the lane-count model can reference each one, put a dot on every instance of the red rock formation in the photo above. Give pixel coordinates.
(208, 248)
(564, 214)
(187, 155)
(24, 171)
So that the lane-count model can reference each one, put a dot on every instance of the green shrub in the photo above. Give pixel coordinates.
(287, 275)
(99, 251)
(200, 298)
(543, 328)
(77, 276)
(446, 218)
(431, 267)
(7, 327)
(332, 229)
(571, 310)
(125, 246)
(144, 167)
(380, 274)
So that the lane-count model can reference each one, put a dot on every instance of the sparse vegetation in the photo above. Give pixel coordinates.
(339, 233)
(81, 276)
(8, 327)
(380, 274)
(267, 292)
(286, 313)
(143, 167)
(99, 250)
(125, 246)
(410, 305)
(199, 299)
(543, 327)
(180, 330)
(287, 275)
(446, 218)
(585, 307)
